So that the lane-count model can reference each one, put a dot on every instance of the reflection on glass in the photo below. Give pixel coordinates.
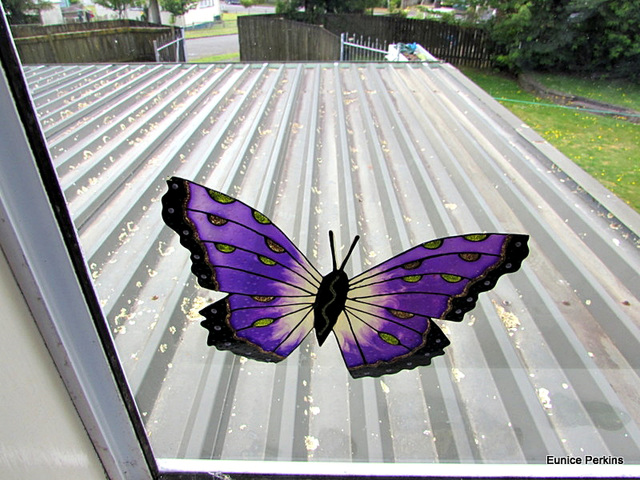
(545, 365)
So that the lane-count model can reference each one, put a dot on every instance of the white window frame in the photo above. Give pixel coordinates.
(39, 241)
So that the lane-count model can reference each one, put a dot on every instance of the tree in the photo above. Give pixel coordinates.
(177, 7)
(313, 8)
(575, 36)
(287, 7)
(248, 3)
(608, 34)
(117, 5)
(24, 11)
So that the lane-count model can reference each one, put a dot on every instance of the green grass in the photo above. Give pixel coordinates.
(229, 26)
(225, 57)
(607, 148)
(617, 92)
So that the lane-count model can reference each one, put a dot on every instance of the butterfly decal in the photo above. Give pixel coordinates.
(382, 318)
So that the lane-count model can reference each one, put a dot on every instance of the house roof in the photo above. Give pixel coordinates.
(546, 364)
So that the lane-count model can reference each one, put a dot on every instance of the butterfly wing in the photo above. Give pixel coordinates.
(238, 250)
(388, 326)
(261, 328)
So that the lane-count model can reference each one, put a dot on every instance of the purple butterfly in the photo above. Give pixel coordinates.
(381, 318)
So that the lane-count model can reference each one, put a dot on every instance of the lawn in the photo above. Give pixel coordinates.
(607, 148)
(225, 57)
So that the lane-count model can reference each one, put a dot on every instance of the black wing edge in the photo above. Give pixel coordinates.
(514, 251)
(433, 347)
(222, 336)
(174, 206)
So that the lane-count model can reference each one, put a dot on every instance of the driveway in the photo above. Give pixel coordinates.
(208, 46)
(219, 45)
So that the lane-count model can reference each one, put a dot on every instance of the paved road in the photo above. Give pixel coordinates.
(207, 46)
(253, 10)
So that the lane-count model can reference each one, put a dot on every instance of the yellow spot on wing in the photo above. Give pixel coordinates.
(478, 237)
(266, 260)
(260, 218)
(263, 322)
(225, 248)
(390, 339)
(451, 278)
(433, 244)
(412, 278)
(221, 197)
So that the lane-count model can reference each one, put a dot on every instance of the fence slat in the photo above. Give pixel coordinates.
(274, 38)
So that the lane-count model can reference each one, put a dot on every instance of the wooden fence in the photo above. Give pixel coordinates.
(32, 30)
(118, 41)
(273, 38)
(461, 46)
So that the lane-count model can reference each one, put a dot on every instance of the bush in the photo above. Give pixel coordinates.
(577, 36)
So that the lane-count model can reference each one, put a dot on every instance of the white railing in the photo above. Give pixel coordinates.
(402, 52)
(353, 48)
(179, 56)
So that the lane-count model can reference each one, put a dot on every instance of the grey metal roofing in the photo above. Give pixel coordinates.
(547, 363)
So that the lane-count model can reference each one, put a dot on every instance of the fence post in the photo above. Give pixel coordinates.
(181, 55)
(342, 46)
(155, 50)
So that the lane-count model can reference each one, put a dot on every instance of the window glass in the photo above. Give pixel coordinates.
(543, 370)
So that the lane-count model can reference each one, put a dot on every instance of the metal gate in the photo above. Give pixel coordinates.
(354, 48)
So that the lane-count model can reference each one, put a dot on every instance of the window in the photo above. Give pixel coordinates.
(544, 369)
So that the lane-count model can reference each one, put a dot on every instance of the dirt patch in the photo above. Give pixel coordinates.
(528, 83)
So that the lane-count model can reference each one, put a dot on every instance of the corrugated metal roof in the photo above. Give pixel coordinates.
(547, 363)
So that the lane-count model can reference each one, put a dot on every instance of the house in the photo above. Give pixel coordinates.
(86, 11)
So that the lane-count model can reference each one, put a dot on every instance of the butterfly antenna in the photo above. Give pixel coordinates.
(333, 250)
(353, 245)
